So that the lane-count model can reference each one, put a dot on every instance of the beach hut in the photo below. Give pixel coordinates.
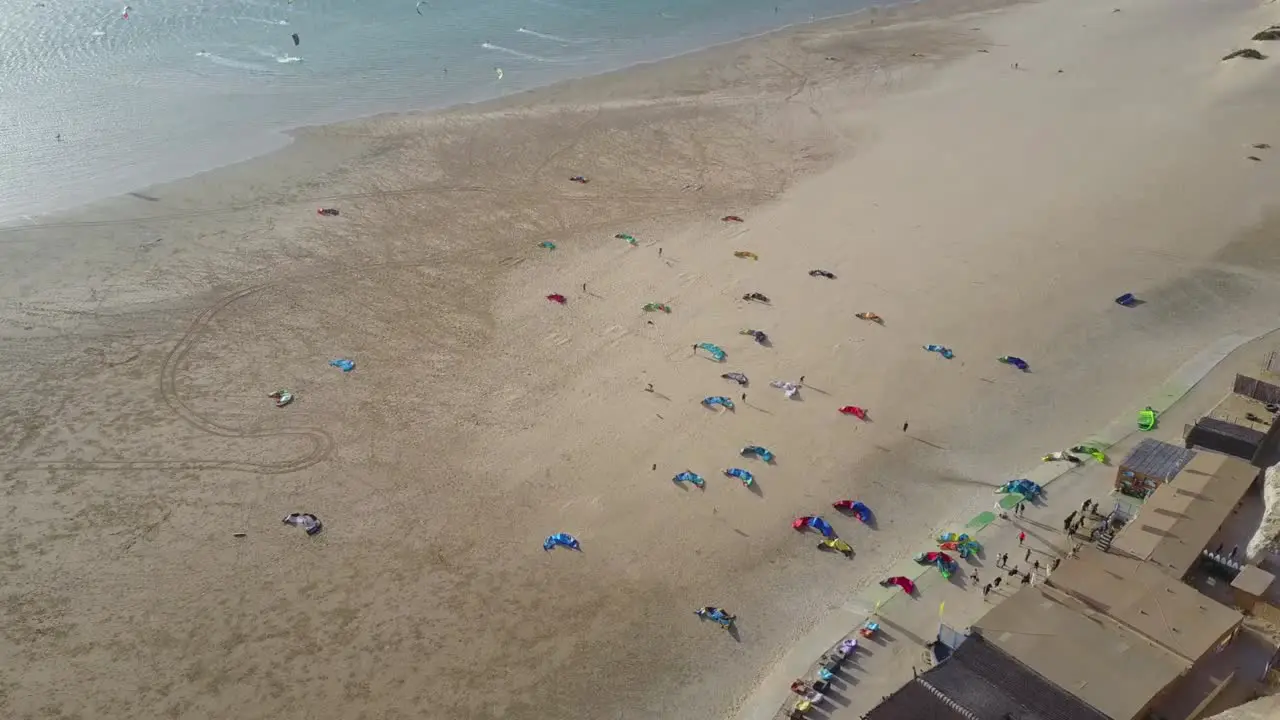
(1149, 465)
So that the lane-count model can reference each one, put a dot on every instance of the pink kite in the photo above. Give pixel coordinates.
(855, 411)
(731, 218)
(557, 298)
(907, 586)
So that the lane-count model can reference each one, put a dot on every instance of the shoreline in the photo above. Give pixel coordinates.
(481, 418)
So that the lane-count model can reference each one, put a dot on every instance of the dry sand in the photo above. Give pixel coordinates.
(993, 210)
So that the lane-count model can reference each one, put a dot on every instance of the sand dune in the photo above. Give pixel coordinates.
(990, 209)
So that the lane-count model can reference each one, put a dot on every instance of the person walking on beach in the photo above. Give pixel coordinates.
(974, 577)
(801, 380)
(999, 561)
(584, 287)
(1026, 579)
(1028, 557)
(986, 590)
(1036, 567)
(1085, 507)
(1054, 566)
(1013, 571)
(904, 427)
(659, 252)
(1022, 536)
(1004, 560)
(996, 584)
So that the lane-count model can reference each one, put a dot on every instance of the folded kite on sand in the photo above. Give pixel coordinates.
(855, 411)
(736, 377)
(906, 584)
(943, 351)
(715, 350)
(746, 255)
(814, 522)
(761, 452)
(746, 477)
(657, 307)
(718, 400)
(343, 364)
(282, 397)
(759, 335)
(547, 244)
(557, 298)
(562, 540)
(871, 317)
(1092, 451)
(838, 545)
(731, 218)
(758, 297)
(1023, 487)
(623, 236)
(690, 477)
(857, 509)
(306, 521)
(822, 273)
(1015, 361)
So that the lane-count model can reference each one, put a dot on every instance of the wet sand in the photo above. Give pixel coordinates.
(993, 210)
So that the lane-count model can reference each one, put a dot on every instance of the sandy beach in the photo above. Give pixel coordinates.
(984, 176)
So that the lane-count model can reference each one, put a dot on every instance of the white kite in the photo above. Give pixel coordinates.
(498, 71)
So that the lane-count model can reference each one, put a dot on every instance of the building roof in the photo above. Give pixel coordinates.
(1157, 459)
(979, 682)
(1080, 650)
(1267, 708)
(1181, 517)
(1253, 580)
(1235, 409)
(1141, 596)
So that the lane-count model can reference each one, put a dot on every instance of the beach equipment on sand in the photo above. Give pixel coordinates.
(690, 477)
(581, 179)
(1127, 300)
(906, 584)
(557, 298)
(759, 335)
(855, 411)
(343, 364)
(731, 218)
(1093, 451)
(857, 509)
(327, 212)
(562, 540)
(308, 522)
(715, 350)
(547, 244)
(1147, 419)
(943, 351)
(1023, 487)
(815, 522)
(822, 273)
(871, 317)
(1060, 456)
(717, 615)
(746, 477)
(869, 629)
(758, 297)
(1015, 361)
(835, 543)
(720, 400)
(623, 236)
(746, 255)
(761, 452)
(282, 397)
(788, 388)
(656, 307)
(736, 377)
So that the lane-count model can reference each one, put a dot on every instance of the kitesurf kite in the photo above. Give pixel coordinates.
(328, 212)
(855, 411)
(715, 350)
(906, 584)
(343, 364)
(724, 619)
(815, 522)
(557, 298)
(547, 244)
(282, 397)
(943, 351)
(1127, 300)
(746, 477)
(960, 543)
(838, 545)
(1023, 487)
(580, 179)
(1015, 361)
(757, 334)
(761, 452)
(418, 7)
(296, 40)
(690, 477)
(657, 307)
(306, 521)
(758, 297)
(561, 539)
(857, 509)
(1146, 419)
(1090, 450)
(718, 400)
(788, 388)
(731, 218)
(623, 236)
(736, 377)
(746, 255)
(870, 316)
(1061, 455)
(822, 273)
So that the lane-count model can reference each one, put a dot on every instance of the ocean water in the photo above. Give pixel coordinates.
(182, 86)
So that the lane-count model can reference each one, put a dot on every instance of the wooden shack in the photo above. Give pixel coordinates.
(1149, 465)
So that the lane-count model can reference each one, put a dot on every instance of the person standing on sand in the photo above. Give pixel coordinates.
(904, 427)
(1028, 557)
(1022, 536)
(659, 252)
(986, 590)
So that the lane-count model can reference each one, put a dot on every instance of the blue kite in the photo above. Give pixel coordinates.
(1022, 487)
(715, 350)
(718, 400)
(563, 539)
(943, 351)
(746, 477)
(1015, 361)
(690, 477)
(761, 452)
(343, 364)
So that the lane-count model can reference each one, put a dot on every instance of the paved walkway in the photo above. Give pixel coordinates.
(885, 664)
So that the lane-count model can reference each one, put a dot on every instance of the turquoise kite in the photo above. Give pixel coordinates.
(690, 477)
(746, 477)
(718, 400)
(715, 350)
